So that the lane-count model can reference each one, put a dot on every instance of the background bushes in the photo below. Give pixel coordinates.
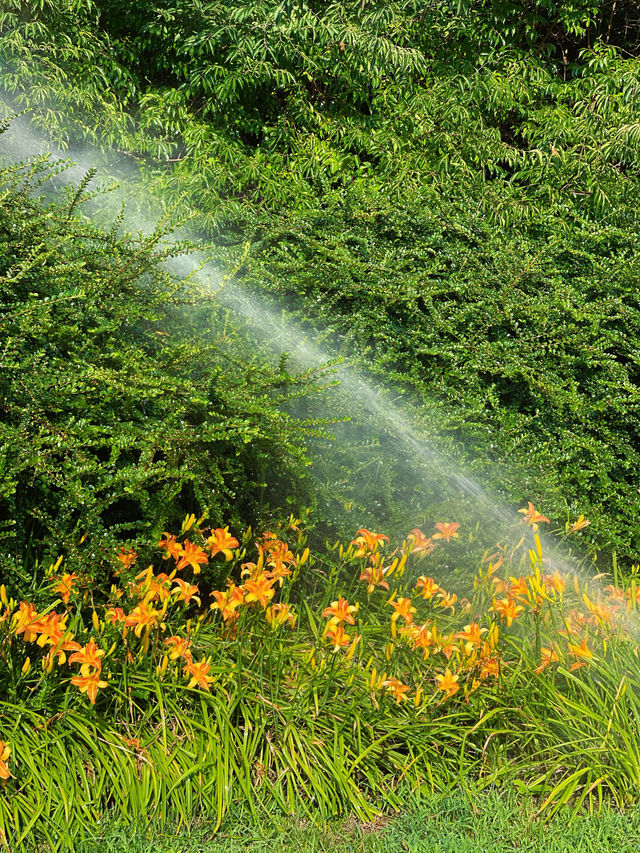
(126, 395)
(450, 189)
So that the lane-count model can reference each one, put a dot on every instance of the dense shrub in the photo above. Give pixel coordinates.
(123, 392)
(451, 187)
(521, 347)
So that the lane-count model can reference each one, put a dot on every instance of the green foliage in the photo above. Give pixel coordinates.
(260, 104)
(546, 26)
(124, 392)
(340, 133)
(521, 347)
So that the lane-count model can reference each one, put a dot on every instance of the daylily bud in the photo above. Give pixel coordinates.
(352, 648)
(95, 620)
(26, 666)
(401, 565)
(145, 641)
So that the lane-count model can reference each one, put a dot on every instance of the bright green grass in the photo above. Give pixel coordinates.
(458, 823)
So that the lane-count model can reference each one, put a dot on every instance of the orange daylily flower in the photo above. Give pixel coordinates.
(367, 542)
(518, 588)
(153, 587)
(419, 543)
(25, 621)
(374, 576)
(192, 555)
(179, 648)
(5, 752)
(171, 545)
(446, 647)
(555, 582)
(185, 591)
(601, 612)
(500, 586)
(418, 637)
(507, 609)
(580, 524)
(393, 685)
(199, 673)
(582, 652)
(222, 542)
(471, 636)
(615, 594)
(141, 616)
(227, 602)
(89, 684)
(427, 586)
(265, 542)
(65, 644)
(447, 599)
(52, 629)
(575, 622)
(402, 608)
(260, 590)
(448, 683)
(489, 667)
(127, 557)
(252, 570)
(337, 636)
(340, 611)
(65, 586)
(532, 516)
(446, 531)
(278, 571)
(279, 552)
(48, 630)
(114, 614)
(88, 657)
(547, 657)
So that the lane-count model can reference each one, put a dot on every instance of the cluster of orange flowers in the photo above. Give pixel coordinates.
(149, 596)
(367, 545)
(339, 614)
(470, 649)
(463, 656)
(472, 654)
(50, 631)
(274, 564)
(603, 617)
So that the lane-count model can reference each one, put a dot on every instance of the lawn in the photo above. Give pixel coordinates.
(460, 822)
